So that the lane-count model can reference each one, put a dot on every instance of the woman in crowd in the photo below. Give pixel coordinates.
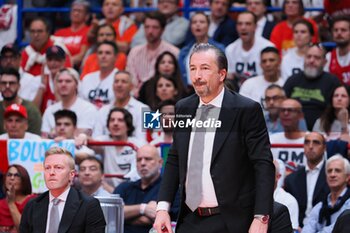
(166, 88)
(282, 34)
(105, 32)
(335, 119)
(18, 191)
(293, 60)
(166, 64)
(199, 26)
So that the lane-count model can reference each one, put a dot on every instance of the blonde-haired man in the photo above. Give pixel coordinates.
(61, 208)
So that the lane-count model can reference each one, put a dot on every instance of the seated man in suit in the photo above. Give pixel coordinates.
(324, 215)
(61, 208)
(308, 184)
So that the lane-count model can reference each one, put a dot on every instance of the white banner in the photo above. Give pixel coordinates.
(31, 154)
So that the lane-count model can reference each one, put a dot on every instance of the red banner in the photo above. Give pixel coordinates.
(4, 163)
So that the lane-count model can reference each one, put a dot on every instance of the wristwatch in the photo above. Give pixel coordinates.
(262, 218)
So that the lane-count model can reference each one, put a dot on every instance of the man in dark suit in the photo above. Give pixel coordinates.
(264, 26)
(236, 175)
(62, 209)
(225, 28)
(222, 28)
(308, 184)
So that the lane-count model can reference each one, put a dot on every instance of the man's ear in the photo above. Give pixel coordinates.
(222, 74)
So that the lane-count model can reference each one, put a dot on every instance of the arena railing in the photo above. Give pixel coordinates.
(186, 9)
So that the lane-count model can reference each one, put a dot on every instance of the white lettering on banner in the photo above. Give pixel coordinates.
(295, 155)
(31, 154)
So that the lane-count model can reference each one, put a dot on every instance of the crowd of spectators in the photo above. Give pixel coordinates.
(94, 78)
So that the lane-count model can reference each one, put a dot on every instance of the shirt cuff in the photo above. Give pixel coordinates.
(163, 205)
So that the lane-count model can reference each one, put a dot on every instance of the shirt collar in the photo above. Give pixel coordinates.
(138, 183)
(217, 101)
(338, 199)
(62, 197)
(262, 21)
(317, 168)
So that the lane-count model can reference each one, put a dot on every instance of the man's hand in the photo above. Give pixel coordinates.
(258, 227)
(150, 210)
(162, 222)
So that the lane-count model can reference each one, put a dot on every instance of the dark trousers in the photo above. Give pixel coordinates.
(193, 223)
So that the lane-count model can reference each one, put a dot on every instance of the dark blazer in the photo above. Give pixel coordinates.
(295, 184)
(342, 225)
(225, 34)
(81, 214)
(268, 29)
(241, 167)
(280, 219)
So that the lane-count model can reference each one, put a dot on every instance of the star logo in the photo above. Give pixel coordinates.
(151, 120)
(156, 115)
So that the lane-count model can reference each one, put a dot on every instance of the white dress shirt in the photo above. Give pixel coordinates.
(208, 193)
(311, 179)
(61, 204)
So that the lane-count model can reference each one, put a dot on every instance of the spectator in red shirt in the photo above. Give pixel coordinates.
(75, 36)
(18, 192)
(33, 55)
(282, 34)
(339, 59)
(124, 26)
(105, 32)
(45, 96)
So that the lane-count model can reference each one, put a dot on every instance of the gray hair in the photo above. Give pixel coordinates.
(84, 3)
(220, 55)
(340, 158)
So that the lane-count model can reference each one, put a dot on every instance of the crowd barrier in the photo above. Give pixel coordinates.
(30, 154)
(186, 10)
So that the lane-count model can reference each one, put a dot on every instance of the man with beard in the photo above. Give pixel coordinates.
(9, 86)
(339, 59)
(140, 196)
(308, 184)
(175, 29)
(274, 96)
(142, 58)
(11, 58)
(312, 87)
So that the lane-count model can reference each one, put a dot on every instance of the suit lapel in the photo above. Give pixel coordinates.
(70, 210)
(321, 180)
(227, 117)
(303, 189)
(40, 213)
